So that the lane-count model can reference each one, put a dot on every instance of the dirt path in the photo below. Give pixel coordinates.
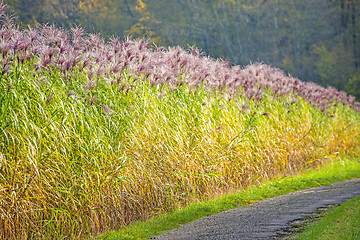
(267, 218)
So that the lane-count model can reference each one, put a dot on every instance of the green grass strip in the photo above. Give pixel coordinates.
(342, 222)
(331, 172)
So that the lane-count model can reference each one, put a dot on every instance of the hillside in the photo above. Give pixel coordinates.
(96, 135)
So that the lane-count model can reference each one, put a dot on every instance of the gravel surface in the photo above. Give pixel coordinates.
(267, 218)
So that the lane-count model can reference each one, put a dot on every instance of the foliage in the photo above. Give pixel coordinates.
(95, 135)
(333, 66)
(353, 86)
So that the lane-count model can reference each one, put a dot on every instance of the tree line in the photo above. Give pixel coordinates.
(314, 40)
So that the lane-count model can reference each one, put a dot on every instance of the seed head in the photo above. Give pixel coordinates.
(107, 110)
(71, 93)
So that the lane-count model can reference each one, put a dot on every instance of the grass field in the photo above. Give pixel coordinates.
(96, 134)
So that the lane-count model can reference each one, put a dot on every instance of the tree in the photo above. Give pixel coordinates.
(353, 86)
(26, 11)
(146, 20)
(108, 16)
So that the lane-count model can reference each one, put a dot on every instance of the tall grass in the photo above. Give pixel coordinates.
(95, 135)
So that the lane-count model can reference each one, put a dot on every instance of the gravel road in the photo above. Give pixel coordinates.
(267, 218)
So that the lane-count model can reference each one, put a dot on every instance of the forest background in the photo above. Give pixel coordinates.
(313, 40)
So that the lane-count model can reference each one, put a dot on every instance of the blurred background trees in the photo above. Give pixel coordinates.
(314, 40)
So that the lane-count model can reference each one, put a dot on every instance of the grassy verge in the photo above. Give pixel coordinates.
(331, 172)
(342, 222)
